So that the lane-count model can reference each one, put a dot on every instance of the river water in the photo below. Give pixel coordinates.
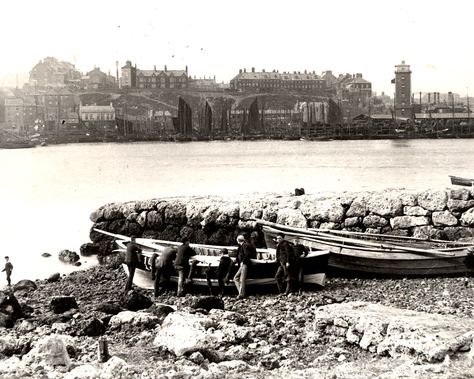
(47, 193)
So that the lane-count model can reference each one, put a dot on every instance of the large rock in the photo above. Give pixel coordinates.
(181, 332)
(325, 210)
(433, 200)
(394, 331)
(386, 204)
(444, 218)
(50, 351)
(207, 303)
(455, 233)
(129, 319)
(459, 205)
(154, 220)
(405, 222)
(61, 304)
(135, 301)
(11, 308)
(428, 232)
(415, 211)
(291, 217)
(68, 256)
(358, 207)
(459, 194)
(374, 221)
(467, 218)
(175, 214)
(24, 284)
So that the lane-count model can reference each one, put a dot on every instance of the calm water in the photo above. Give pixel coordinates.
(47, 193)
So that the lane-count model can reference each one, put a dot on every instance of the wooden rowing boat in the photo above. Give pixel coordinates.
(375, 255)
(262, 271)
(459, 181)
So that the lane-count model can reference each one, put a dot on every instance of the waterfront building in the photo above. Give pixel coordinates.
(14, 114)
(402, 83)
(132, 77)
(97, 116)
(53, 73)
(275, 81)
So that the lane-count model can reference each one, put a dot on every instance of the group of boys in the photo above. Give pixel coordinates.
(181, 261)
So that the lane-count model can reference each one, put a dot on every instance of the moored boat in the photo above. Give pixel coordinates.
(261, 274)
(459, 181)
(16, 144)
(380, 255)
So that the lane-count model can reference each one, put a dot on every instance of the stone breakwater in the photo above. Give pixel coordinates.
(433, 213)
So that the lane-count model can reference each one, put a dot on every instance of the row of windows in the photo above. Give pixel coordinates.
(100, 116)
(162, 80)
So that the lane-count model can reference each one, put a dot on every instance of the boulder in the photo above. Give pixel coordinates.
(25, 284)
(408, 199)
(46, 255)
(175, 214)
(129, 319)
(433, 200)
(291, 217)
(350, 222)
(325, 210)
(112, 212)
(68, 256)
(405, 222)
(444, 218)
(415, 211)
(459, 205)
(458, 194)
(111, 308)
(358, 208)
(385, 204)
(135, 301)
(374, 221)
(181, 332)
(161, 311)
(467, 218)
(207, 303)
(54, 277)
(91, 327)
(394, 331)
(50, 351)
(61, 304)
(428, 232)
(89, 248)
(154, 220)
(455, 233)
(11, 308)
(141, 218)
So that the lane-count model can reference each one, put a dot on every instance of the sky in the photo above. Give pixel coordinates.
(218, 38)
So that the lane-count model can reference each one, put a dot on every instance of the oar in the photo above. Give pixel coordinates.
(353, 241)
(117, 236)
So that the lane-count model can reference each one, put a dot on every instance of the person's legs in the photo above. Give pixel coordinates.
(9, 279)
(243, 278)
(158, 271)
(279, 278)
(237, 279)
(180, 281)
(131, 274)
(209, 275)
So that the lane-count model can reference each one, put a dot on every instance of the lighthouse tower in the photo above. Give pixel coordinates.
(403, 90)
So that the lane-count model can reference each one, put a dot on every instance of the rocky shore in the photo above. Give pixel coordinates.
(353, 328)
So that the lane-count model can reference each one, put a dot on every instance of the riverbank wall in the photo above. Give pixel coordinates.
(434, 213)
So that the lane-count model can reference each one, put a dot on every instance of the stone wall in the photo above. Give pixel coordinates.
(440, 214)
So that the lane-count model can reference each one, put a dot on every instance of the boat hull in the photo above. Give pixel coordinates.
(261, 273)
(350, 260)
(459, 181)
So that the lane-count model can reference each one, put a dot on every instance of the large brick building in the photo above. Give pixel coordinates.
(132, 77)
(275, 81)
(53, 73)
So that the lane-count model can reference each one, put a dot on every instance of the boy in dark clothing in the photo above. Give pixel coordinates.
(285, 256)
(8, 270)
(162, 267)
(295, 270)
(245, 252)
(131, 260)
(222, 272)
(181, 264)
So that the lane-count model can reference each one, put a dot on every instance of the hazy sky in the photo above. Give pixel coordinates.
(219, 37)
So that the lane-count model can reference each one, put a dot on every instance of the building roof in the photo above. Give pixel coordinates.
(159, 72)
(96, 108)
(276, 76)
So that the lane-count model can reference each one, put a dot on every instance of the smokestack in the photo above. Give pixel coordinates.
(166, 68)
(253, 69)
(240, 70)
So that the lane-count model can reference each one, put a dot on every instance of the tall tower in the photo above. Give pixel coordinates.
(403, 90)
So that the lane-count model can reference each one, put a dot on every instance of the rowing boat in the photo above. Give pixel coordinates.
(380, 255)
(459, 181)
(262, 270)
